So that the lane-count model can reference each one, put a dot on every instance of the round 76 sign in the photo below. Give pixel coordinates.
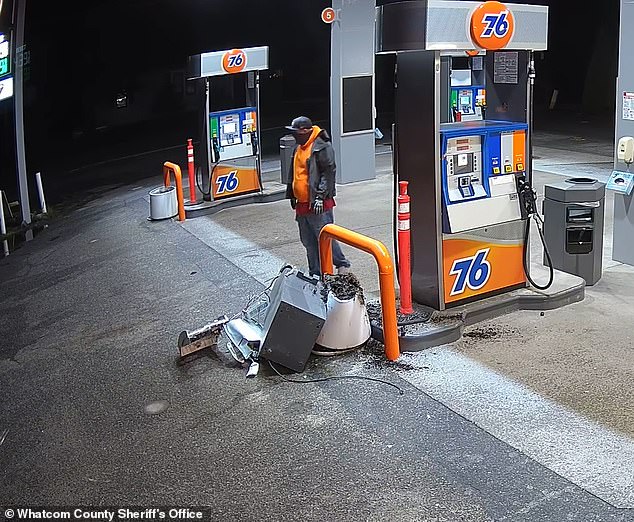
(492, 26)
(234, 61)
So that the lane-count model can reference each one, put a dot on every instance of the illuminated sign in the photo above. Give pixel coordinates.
(328, 15)
(6, 80)
(6, 88)
(492, 26)
(5, 57)
(234, 61)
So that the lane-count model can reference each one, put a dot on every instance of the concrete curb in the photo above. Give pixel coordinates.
(211, 207)
(467, 315)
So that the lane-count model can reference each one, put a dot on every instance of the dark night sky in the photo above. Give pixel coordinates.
(103, 46)
(84, 53)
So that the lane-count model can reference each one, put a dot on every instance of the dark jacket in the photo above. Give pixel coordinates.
(322, 170)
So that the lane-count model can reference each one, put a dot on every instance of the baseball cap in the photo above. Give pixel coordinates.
(299, 123)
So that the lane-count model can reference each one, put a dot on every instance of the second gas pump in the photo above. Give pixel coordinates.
(230, 159)
(463, 142)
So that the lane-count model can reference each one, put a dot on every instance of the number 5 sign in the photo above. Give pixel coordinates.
(492, 26)
(328, 15)
(234, 61)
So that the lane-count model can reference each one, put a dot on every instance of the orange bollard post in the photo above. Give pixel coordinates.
(168, 168)
(404, 250)
(386, 276)
(191, 171)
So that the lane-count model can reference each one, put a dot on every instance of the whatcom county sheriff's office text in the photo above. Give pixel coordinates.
(107, 514)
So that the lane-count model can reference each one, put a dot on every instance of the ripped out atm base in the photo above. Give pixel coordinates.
(447, 326)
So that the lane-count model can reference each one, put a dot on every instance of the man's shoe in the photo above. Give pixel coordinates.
(344, 270)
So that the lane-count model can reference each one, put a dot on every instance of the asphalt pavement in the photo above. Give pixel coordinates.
(98, 411)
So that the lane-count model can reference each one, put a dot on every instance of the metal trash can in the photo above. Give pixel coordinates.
(163, 203)
(573, 226)
(287, 144)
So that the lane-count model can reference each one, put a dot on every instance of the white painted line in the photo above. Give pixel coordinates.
(256, 261)
(583, 452)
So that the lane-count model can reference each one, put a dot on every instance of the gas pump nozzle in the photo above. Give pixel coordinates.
(528, 207)
(254, 143)
(215, 149)
(527, 197)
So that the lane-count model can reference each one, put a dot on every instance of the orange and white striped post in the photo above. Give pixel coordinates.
(404, 250)
(190, 171)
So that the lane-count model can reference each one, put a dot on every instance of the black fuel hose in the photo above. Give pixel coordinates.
(198, 180)
(549, 260)
(395, 193)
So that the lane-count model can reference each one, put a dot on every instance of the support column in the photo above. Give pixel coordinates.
(352, 55)
(623, 249)
(23, 184)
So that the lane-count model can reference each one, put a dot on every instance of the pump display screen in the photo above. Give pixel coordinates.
(463, 163)
(229, 128)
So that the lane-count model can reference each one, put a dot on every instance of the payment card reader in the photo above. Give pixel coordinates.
(466, 188)
(482, 161)
(464, 169)
(233, 134)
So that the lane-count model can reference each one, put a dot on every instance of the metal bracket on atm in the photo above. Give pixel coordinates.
(245, 339)
(205, 337)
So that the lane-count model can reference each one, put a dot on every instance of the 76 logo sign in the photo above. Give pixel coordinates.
(471, 272)
(234, 61)
(227, 182)
(497, 24)
(492, 26)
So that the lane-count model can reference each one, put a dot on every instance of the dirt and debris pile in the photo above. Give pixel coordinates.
(490, 333)
(421, 320)
(344, 287)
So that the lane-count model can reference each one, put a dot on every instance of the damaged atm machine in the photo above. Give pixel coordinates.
(463, 131)
(294, 317)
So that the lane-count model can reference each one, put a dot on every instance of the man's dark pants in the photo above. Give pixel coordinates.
(310, 226)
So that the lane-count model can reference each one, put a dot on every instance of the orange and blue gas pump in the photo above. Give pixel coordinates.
(469, 180)
(230, 159)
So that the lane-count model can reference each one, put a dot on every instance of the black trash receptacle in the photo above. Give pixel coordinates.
(287, 143)
(573, 226)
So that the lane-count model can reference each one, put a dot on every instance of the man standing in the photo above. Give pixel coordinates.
(311, 189)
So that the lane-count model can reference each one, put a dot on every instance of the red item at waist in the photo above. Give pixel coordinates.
(303, 209)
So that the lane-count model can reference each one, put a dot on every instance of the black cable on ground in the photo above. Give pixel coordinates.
(549, 260)
(336, 377)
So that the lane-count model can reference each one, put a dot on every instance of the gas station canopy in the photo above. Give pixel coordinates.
(230, 61)
(446, 26)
